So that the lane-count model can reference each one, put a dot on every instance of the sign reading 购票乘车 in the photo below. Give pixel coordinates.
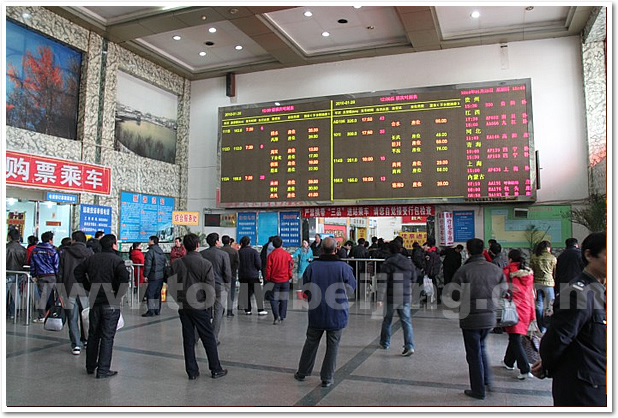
(37, 171)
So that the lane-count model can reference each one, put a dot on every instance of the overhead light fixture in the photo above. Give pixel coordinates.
(342, 21)
(212, 30)
(176, 37)
(277, 104)
(204, 17)
(529, 8)
(233, 11)
(475, 14)
(26, 15)
(325, 34)
(357, 7)
(202, 53)
(238, 47)
(308, 14)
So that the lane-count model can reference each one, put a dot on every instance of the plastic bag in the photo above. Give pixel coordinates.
(428, 286)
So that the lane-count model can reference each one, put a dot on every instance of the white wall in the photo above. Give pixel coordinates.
(553, 65)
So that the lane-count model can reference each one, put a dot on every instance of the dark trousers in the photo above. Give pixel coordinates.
(246, 291)
(103, 322)
(279, 299)
(192, 320)
(515, 352)
(231, 295)
(47, 297)
(310, 350)
(479, 368)
(153, 296)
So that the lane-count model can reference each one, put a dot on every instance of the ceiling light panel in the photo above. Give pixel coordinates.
(455, 21)
(305, 33)
(222, 53)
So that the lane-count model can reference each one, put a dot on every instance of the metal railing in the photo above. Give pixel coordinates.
(21, 298)
(135, 292)
(365, 273)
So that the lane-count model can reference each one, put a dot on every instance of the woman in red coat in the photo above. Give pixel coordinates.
(137, 257)
(521, 281)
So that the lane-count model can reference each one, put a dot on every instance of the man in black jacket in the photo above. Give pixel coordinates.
(74, 296)
(105, 276)
(196, 297)
(395, 287)
(16, 256)
(569, 266)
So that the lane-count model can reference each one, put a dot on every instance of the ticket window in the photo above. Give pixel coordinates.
(34, 218)
(56, 218)
(21, 215)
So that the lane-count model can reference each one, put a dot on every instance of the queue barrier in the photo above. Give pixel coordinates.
(365, 273)
(20, 287)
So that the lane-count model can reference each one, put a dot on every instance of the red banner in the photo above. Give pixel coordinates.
(51, 173)
(368, 211)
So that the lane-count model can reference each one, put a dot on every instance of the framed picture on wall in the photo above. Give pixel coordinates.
(146, 119)
(42, 83)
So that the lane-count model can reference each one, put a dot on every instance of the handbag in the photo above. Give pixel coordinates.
(509, 314)
(55, 317)
(531, 342)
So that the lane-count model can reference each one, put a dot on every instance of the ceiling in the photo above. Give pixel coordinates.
(283, 36)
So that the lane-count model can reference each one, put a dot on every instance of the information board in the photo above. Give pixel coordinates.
(289, 228)
(93, 218)
(247, 225)
(142, 216)
(458, 143)
(463, 223)
(267, 226)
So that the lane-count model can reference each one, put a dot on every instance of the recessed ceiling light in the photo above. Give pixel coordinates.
(325, 34)
(212, 30)
(26, 15)
(204, 17)
(357, 7)
(371, 27)
(176, 37)
(233, 11)
(475, 14)
(277, 104)
(342, 21)
(202, 53)
(209, 43)
(308, 13)
(238, 47)
(529, 8)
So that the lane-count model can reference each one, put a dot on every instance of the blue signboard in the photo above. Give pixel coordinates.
(246, 224)
(143, 215)
(61, 197)
(463, 225)
(289, 228)
(267, 226)
(93, 218)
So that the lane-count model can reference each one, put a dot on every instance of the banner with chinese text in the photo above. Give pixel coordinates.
(36, 171)
(369, 211)
(185, 218)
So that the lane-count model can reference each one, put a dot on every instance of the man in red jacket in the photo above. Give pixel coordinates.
(279, 272)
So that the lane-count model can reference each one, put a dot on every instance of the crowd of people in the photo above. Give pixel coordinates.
(565, 296)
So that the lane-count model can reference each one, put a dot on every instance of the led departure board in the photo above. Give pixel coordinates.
(458, 143)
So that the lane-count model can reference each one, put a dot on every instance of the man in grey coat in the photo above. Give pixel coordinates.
(477, 285)
(154, 267)
(223, 276)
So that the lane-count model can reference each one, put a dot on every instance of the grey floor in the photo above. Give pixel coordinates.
(261, 359)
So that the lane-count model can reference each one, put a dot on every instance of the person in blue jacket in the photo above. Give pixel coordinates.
(327, 281)
(304, 255)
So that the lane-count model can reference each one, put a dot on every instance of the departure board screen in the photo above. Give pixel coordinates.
(447, 144)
